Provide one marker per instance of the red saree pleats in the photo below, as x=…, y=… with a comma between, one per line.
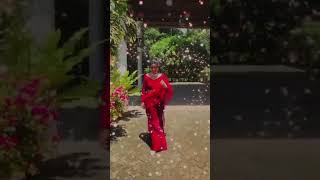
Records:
x=155, y=98
x=156, y=128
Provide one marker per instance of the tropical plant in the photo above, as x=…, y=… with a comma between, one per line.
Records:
x=25, y=59
x=119, y=101
x=121, y=25
x=36, y=81
x=152, y=35
x=121, y=87
x=125, y=80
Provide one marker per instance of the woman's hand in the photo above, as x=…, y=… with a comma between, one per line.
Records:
x=143, y=106
x=163, y=84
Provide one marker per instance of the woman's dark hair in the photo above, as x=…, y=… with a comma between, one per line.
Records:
x=155, y=63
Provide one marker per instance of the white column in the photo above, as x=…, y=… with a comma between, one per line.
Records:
x=140, y=51
x=40, y=18
x=122, y=57
x=96, y=34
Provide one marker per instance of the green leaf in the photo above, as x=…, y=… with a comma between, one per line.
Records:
x=70, y=46
x=52, y=41
x=134, y=92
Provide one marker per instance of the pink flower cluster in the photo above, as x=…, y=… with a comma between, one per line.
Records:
x=26, y=100
x=25, y=113
x=121, y=94
x=9, y=141
x=119, y=101
x=27, y=97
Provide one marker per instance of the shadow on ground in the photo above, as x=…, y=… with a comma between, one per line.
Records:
x=116, y=132
x=74, y=165
x=119, y=130
x=130, y=114
x=145, y=137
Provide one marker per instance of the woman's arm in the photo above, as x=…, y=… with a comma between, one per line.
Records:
x=166, y=82
x=169, y=89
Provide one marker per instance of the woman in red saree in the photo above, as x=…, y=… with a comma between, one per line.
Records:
x=156, y=94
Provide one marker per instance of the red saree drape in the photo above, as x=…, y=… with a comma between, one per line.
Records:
x=155, y=98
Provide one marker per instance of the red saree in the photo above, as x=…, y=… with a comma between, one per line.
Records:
x=155, y=98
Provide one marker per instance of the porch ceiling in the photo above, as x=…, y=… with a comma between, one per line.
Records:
x=182, y=13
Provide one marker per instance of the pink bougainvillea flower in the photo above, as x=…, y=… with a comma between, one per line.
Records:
x=20, y=100
x=42, y=113
x=112, y=104
x=124, y=97
x=27, y=93
x=31, y=89
x=9, y=141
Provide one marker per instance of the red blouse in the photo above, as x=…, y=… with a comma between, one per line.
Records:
x=154, y=93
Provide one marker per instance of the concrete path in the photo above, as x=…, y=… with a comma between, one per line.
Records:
x=188, y=154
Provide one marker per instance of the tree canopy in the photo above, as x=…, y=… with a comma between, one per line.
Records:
x=183, y=53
